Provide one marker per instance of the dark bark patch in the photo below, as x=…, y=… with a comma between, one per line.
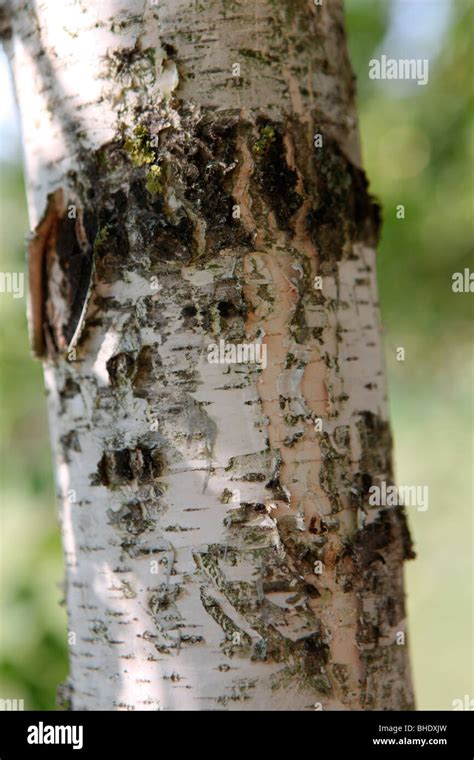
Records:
x=70, y=442
x=304, y=549
x=299, y=326
x=372, y=542
x=121, y=61
x=131, y=517
x=227, y=310
x=308, y=657
x=375, y=462
x=254, y=477
x=123, y=466
x=162, y=237
x=407, y=542
x=343, y=211
x=163, y=598
x=111, y=249
x=311, y=591
x=120, y=368
x=316, y=653
x=275, y=179
x=170, y=243
x=209, y=162
x=247, y=512
x=274, y=485
x=317, y=525
x=189, y=311
x=148, y=360
x=70, y=388
x=335, y=474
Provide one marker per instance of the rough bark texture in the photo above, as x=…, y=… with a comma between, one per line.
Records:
x=220, y=549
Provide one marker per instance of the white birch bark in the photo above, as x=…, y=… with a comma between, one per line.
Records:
x=199, y=501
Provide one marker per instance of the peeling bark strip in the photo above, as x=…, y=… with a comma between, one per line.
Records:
x=60, y=266
x=221, y=550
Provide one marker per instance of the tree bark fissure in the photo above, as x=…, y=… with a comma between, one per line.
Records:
x=221, y=551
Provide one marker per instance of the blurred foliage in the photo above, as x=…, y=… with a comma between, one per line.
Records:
x=33, y=650
x=418, y=151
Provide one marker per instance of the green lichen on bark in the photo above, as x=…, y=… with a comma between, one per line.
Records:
x=267, y=137
x=139, y=147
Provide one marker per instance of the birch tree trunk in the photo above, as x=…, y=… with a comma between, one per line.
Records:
x=203, y=296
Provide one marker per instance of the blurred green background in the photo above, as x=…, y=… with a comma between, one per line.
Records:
x=418, y=151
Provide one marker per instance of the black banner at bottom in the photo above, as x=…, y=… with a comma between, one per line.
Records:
x=376, y=734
